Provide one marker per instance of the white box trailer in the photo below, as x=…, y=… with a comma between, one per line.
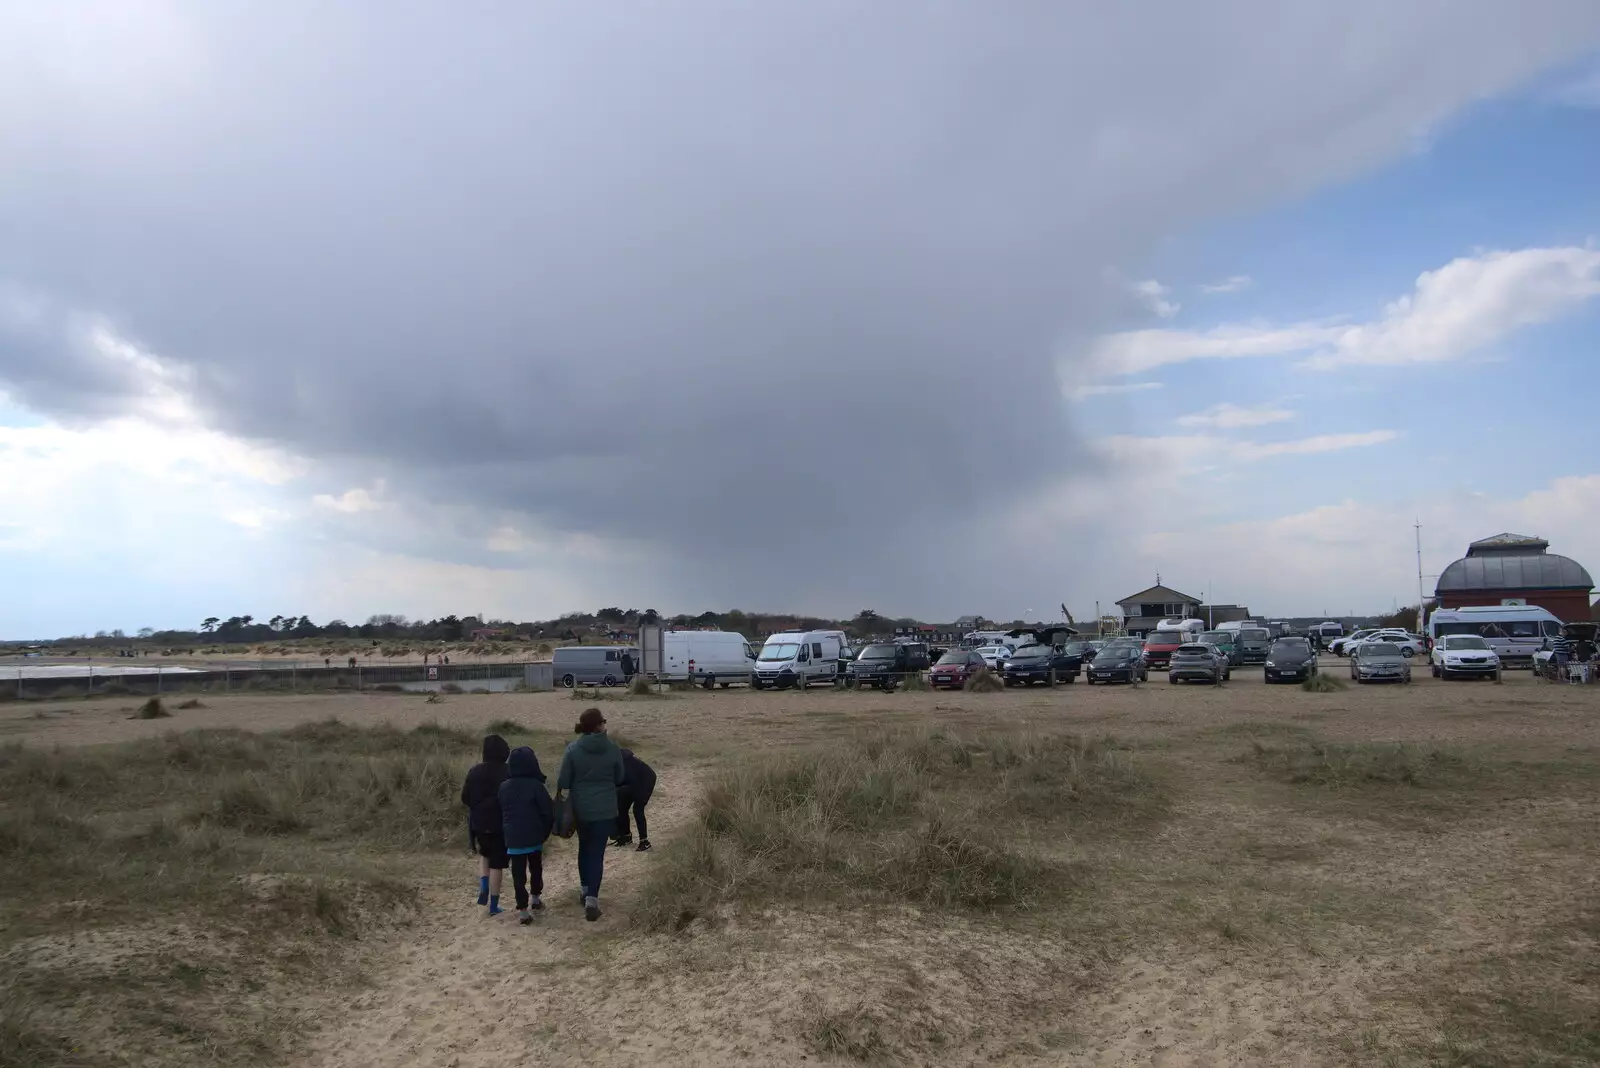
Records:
x=709, y=657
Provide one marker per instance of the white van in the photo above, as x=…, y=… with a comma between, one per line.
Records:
x=1514, y=632
x=798, y=658
x=593, y=665
x=718, y=657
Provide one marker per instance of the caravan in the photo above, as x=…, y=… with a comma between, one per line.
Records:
x=798, y=659
x=1514, y=632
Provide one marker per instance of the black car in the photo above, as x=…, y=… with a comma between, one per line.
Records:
x=1290, y=660
x=1080, y=648
x=1118, y=663
x=1048, y=664
x=884, y=665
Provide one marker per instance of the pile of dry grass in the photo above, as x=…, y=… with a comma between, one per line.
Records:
x=984, y=681
x=641, y=686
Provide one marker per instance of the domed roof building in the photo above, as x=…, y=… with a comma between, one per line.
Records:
x=1516, y=568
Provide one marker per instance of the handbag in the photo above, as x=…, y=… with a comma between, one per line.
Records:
x=566, y=817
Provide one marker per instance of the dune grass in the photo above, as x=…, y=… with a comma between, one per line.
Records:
x=227, y=842
x=917, y=817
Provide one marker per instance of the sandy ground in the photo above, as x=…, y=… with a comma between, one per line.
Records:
x=460, y=989
x=699, y=722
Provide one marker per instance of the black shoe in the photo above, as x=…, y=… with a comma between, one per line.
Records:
x=620, y=842
x=591, y=912
x=644, y=845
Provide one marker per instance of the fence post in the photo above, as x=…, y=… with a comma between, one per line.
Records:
x=158, y=678
x=294, y=677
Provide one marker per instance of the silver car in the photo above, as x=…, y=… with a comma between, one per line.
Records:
x=1379, y=662
x=1198, y=661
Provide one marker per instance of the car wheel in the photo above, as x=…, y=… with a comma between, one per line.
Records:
x=1407, y=652
x=1171, y=681
x=610, y=680
x=1436, y=671
x=568, y=681
x=1050, y=679
x=710, y=682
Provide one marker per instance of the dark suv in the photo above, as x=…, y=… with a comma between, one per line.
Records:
x=1254, y=644
x=1048, y=664
x=886, y=664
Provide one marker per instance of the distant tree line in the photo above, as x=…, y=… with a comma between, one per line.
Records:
x=248, y=629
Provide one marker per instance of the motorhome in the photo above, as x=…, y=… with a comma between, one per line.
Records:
x=1514, y=632
x=798, y=659
x=709, y=657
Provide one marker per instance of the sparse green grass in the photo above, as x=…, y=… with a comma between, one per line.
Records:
x=276, y=850
x=907, y=817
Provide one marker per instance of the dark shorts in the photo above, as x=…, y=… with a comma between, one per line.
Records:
x=491, y=847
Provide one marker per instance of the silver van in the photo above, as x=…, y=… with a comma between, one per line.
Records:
x=594, y=665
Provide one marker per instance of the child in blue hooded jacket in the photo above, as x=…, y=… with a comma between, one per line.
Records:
x=528, y=817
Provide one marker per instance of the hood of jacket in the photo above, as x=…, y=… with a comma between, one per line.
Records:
x=593, y=743
x=524, y=764
x=495, y=750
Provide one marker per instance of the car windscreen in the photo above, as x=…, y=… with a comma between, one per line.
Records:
x=1254, y=634
x=1078, y=648
x=1194, y=650
x=780, y=651
x=1381, y=651
x=1031, y=652
x=877, y=652
x=1465, y=641
x=1217, y=637
x=955, y=658
x=1165, y=637
x=1286, y=648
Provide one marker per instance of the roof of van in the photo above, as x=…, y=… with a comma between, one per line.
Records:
x=1493, y=610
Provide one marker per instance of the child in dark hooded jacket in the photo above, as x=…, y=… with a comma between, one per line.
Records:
x=481, y=794
x=639, y=782
x=527, y=817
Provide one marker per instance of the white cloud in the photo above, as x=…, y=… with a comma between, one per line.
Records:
x=256, y=518
x=1231, y=417
x=350, y=502
x=1084, y=392
x=1153, y=295
x=1232, y=284
x=1134, y=351
x=1204, y=451
x=1257, y=450
x=1455, y=311
x=1468, y=304
x=1582, y=91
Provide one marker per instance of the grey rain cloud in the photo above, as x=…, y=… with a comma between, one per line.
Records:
x=772, y=286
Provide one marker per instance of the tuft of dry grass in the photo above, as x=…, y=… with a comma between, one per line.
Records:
x=193, y=702
x=1322, y=682
x=152, y=709
x=984, y=681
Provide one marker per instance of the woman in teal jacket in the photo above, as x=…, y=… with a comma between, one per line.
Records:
x=591, y=771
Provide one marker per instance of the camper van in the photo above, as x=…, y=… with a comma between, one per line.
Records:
x=718, y=657
x=798, y=658
x=1514, y=632
x=593, y=665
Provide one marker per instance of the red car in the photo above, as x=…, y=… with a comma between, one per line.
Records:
x=1159, y=646
x=955, y=668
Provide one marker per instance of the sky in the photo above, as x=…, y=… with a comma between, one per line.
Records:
x=934, y=309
